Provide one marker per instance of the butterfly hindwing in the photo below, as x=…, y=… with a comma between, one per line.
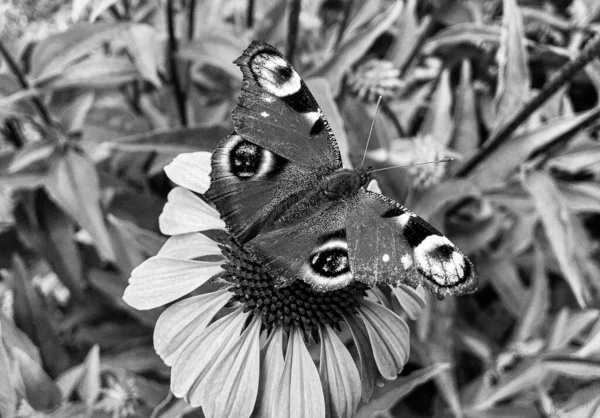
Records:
x=277, y=111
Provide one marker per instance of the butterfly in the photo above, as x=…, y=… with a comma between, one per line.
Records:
x=279, y=185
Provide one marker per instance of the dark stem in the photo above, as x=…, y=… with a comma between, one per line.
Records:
x=12, y=64
x=115, y=13
x=344, y=23
x=292, y=38
x=173, y=47
x=422, y=35
x=192, y=20
x=389, y=112
x=560, y=78
x=250, y=14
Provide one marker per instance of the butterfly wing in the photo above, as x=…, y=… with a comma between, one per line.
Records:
x=312, y=248
x=282, y=146
x=389, y=244
x=277, y=111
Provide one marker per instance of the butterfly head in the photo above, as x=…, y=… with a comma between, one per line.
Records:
x=345, y=182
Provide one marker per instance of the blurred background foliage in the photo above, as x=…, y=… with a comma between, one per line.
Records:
x=97, y=96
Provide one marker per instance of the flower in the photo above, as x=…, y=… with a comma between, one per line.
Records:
x=240, y=346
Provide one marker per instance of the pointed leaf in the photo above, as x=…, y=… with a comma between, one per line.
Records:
x=513, y=77
x=90, y=384
x=74, y=184
x=40, y=390
x=555, y=217
x=465, y=138
x=142, y=42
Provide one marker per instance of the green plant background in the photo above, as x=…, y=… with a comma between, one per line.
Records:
x=97, y=96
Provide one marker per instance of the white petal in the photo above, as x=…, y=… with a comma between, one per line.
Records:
x=195, y=360
x=271, y=369
x=191, y=170
x=389, y=335
x=368, y=368
x=339, y=376
x=158, y=280
x=300, y=393
x=184, y=321
x=189, y=246
x=411, y=300
x=186, y=212
x=230, y=388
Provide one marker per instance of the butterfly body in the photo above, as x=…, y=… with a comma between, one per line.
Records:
x=279, y=184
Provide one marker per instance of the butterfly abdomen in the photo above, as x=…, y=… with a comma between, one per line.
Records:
x=344, y=182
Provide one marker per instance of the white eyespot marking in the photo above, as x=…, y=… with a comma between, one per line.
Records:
x=439, y=259
x=244, y=159
x=264, y=114
x=403, y=219
x=328, y=267
x=385, y=258
x=406, y=261
x=275, y=75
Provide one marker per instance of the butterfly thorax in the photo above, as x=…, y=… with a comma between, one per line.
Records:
x=344, y=182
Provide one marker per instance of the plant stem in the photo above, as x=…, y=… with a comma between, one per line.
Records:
x=250, y=14
x=173, y=47
x=560, y=78
x=12, y=64
x=192, y=20
x=293, y=20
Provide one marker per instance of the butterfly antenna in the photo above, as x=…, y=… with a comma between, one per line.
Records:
x=445, y=160
x=371, y=130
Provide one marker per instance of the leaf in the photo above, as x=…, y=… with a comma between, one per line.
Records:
x=504, y=277
x=407, y=35
x=574, y=367
x=465, y=138
x=8, y=393
x=90, y=384
x=530, y=322
x=442, y=196
x=47, y=229
x=74, y=184
x=96, y=72
x=351, y=51
x=582, y=196
x=439, y=348
x=40, y=390
x=72, y=112
x=438, y=121
x=389, y=395
x=513, y=76
x=142, y=44
x=517, y=150
x=218, y=49
x=558, y=226
x=33, y=156
x=57, y=52
x=521, y=379
x=32, y=317
x=323, y=95
x=196, y=138
x=14, y=337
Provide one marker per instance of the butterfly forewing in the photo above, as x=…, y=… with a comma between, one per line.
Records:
x=277, y=111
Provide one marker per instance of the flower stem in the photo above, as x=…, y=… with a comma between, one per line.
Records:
x=560, y=78
x=173, y=47
x=250, y=14
x=293, y=20
x=12, y=64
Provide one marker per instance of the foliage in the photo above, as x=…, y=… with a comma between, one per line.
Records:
x=93, y=108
